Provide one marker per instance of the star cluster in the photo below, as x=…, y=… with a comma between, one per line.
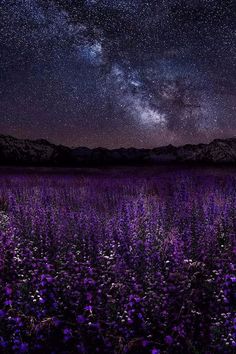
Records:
x=109, y=73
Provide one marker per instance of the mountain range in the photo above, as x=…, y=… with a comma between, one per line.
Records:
x=40, y=152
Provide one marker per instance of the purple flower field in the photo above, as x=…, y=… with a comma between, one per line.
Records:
x=118, y=262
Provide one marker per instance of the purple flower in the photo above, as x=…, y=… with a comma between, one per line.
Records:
x=169, y=340
x=67, y=331
x=80, y=319
x=88, y=308
x=23, y=347
x=2, y=313
x=155, y=351
x=8, y=290
x=130, y=321
x=8, y=302
x=67, y=334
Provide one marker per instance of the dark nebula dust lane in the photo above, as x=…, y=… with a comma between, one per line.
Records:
x=118, y=73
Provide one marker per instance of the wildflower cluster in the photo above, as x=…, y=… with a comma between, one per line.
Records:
x=134, y=263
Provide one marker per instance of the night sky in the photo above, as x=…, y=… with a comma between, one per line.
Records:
x=118, y=73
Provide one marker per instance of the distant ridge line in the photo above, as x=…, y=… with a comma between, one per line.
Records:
x=40, y=152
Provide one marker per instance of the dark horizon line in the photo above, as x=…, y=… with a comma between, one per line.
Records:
x=46, y=141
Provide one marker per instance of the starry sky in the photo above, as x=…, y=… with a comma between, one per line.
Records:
x=140, y=73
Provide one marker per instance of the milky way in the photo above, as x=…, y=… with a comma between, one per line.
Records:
x=118, y=73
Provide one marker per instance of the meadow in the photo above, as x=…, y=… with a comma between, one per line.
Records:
x=118, y=261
